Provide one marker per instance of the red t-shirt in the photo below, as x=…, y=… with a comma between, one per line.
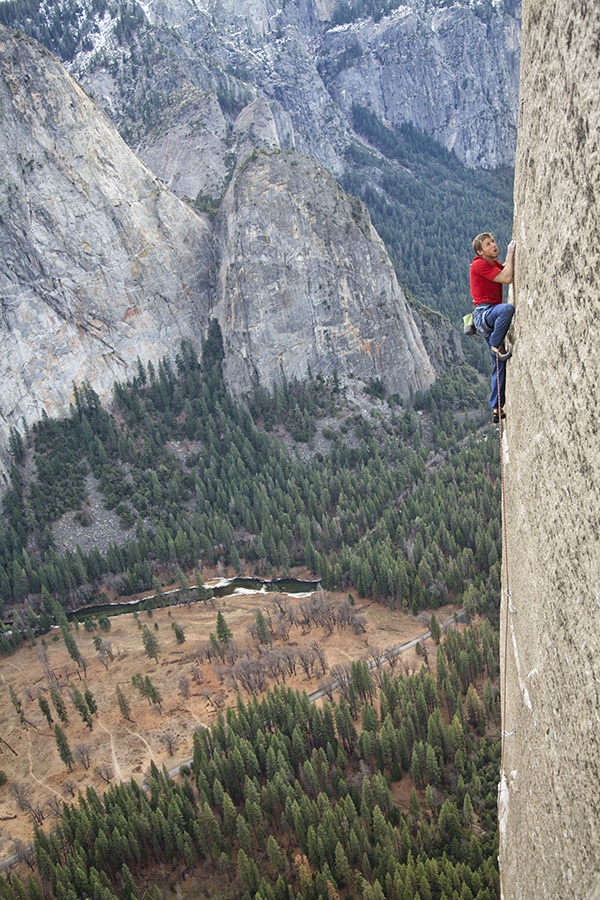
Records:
x=483, y=287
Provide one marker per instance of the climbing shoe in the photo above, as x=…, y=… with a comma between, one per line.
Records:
x=497, y=416
x=501, y=352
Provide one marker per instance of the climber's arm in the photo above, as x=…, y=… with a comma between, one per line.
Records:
x=506, y=275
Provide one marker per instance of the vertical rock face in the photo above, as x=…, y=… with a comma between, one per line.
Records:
x=98, y=262
x=329, y=299
x=550, y=813
x=433, y=69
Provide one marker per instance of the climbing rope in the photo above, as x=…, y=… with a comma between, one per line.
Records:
x=508, y=605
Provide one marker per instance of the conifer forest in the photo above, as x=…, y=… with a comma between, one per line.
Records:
x=284, y=798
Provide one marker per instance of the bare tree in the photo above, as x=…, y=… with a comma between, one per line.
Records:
x=280, y=605
x=69, y=786
x=377, y=657
x=392, y=657
x=305, y=616
x=344, y=614
x=55, y=806
x=231, y=653
x=82, y=754
x=329, y=618
x=107, y=648
x=169, y=740
x=197, y=675
x=307, y=659
x=24, y=852
x=281, y=627
x=251, y=675
x=274, y=661
x=42, y=653
x=184, y=687
x=321, y=656
x=22, y=793
x=341, y=675
x=82, y=664
x=328, y=685
x=279, y=618
x=215, y=698
x=105, y=772
x=359, y=624
x=219, y=672
x=290, y=658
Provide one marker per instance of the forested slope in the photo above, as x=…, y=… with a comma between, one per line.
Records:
x=400, y=503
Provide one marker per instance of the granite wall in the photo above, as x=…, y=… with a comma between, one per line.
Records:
x=550, y=805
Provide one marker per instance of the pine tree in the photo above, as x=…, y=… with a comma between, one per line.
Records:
x=151, y=645
x=18, y=704
x=179, y=635
x=275, y=855
x=248, y=872
x=59, y=704
x=62, y=745
x=224, y=634
x=81, y=706
x=342, y=867
x=262, y=629
x=15, y=446
x=70, y=643
x=45, y=708
x=124, y=707
x=91, y=703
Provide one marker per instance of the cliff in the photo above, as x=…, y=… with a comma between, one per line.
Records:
x=550, y=810
x=330, y=300
x=177, y=77
x=431, y=67
x=100, y=263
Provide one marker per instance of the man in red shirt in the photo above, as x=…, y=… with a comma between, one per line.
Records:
x=491, y=316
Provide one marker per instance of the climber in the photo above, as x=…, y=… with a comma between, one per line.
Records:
x=491, y=316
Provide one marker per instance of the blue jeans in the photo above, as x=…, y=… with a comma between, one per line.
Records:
x=492, y=323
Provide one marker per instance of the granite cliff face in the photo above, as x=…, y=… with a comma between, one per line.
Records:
x=432, y=69
x=100, y=263
x=550, y=807
x=329, y=296
x=174, y=76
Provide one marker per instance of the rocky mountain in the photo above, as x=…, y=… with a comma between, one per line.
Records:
x=329, y=298
x=181, y=79
x=100, y=263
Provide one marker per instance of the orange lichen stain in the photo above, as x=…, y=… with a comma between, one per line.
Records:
x=367, y=347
